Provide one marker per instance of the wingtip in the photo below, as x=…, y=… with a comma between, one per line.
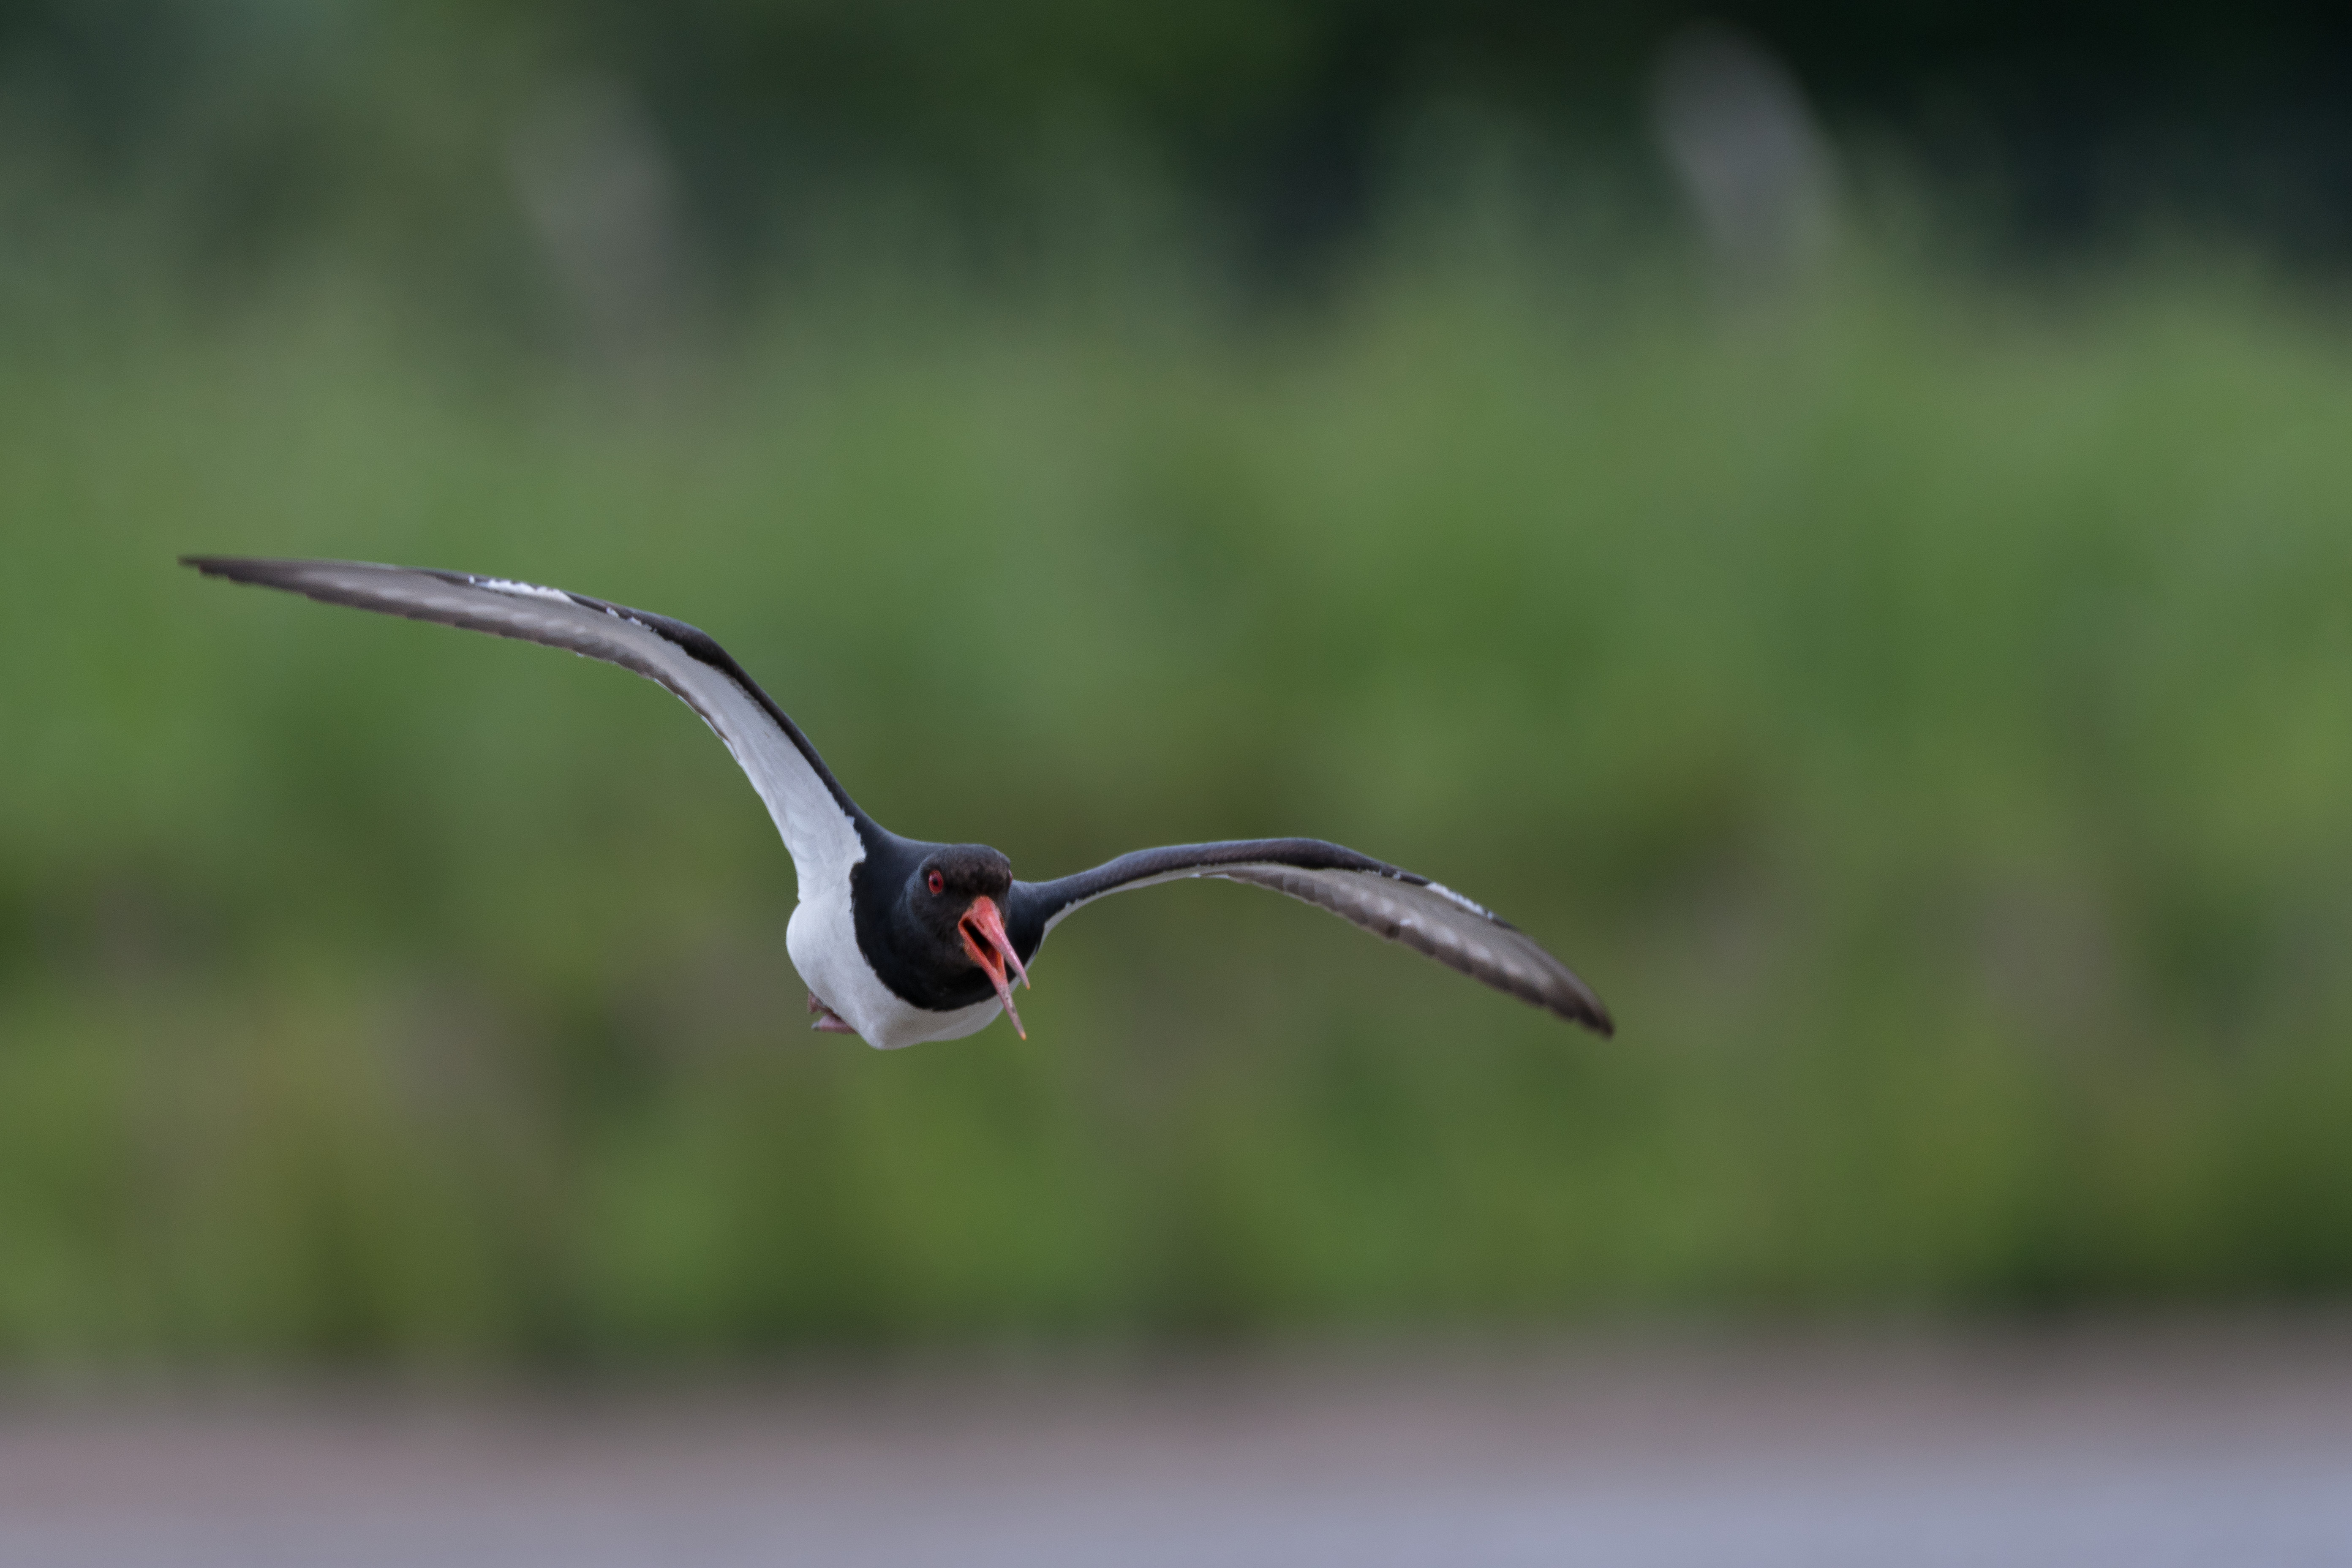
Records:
x=218, y=565
x=1589, y=1011
x=260, y=571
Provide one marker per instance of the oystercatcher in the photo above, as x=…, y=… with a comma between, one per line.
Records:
x=897, y=940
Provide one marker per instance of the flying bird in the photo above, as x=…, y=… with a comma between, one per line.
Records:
x=901, y=941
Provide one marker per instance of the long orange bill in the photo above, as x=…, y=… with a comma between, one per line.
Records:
x=982, y=929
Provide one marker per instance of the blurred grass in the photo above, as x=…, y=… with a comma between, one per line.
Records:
x=1923, y=708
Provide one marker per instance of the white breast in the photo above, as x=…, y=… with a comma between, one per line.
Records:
x=822, y=941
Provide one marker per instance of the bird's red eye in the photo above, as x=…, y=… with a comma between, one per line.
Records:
x=938, y=883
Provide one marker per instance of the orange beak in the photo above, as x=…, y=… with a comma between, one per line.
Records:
x=982, y=929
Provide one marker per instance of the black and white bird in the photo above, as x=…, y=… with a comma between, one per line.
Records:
x=901, y=940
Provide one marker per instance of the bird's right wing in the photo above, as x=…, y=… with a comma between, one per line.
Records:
x=1383, y=898
x=816, y=815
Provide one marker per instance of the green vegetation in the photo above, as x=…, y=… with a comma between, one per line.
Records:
x=1923, y=710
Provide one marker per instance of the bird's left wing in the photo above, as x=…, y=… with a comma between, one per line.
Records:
x=1383, y=898
x=816, y=815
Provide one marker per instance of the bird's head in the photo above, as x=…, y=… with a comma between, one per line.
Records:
x=957, y=896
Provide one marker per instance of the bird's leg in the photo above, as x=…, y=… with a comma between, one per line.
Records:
x=827, y=1022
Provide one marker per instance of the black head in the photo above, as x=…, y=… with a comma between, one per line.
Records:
x=941, y=889
x=950, y=945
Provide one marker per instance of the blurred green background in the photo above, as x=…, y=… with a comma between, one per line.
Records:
x=1859, y=563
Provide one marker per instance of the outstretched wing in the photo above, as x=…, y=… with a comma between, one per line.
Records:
x=1380, y=898
x=816, y=815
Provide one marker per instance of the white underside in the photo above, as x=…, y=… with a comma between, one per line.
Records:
x=822, y=941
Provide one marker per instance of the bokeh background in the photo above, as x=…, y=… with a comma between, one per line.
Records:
x=1837, y=518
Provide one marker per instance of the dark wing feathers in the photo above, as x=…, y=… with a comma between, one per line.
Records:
x=1383, y=898
x=821, y=824
x=816, y=815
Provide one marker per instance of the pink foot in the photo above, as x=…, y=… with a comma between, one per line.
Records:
x=827, y=1022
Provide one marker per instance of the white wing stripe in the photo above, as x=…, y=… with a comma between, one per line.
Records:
x=814, y=819
x=1434, y=919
